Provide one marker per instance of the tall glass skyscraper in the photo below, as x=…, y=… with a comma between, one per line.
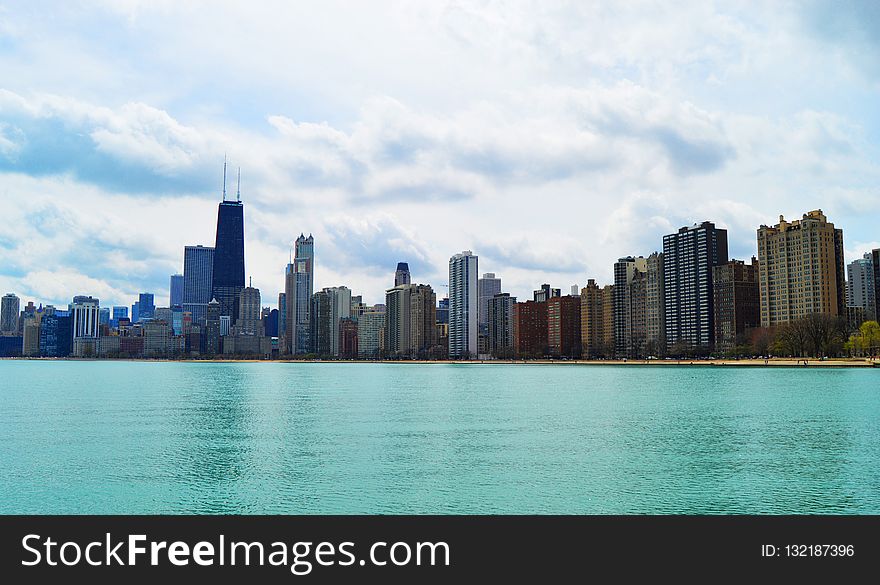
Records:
x=228, y=274
x=146, y=306
x=176, y=290
x=198, y=270
x=299, y=284
x=463, y=305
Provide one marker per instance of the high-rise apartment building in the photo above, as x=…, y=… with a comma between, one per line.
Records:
x=530, y=329
x=801, y=269
x=463, y=305
x=688, y=258
x=564, y=326
x=655, y=317
x=593, y=321
x=410, y=320
x=198, y=271
x=299, y=284
x=282, y=318
x=500, y=324
x=629, y=306
x=9, y=308
x=370, y=327
x=861, y=287
x=487, y=287
x=737, y=302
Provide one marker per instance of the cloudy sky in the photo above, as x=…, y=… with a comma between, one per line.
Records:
x=548, y=137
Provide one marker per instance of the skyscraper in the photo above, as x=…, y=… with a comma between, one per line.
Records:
x=861, y=286
x=211, y=342
x=9, y=308
x=500, y=324
x=298, y=294
x=655, y=316
x=688, y=258
x=488, y=287
x=85, y=326
x=401, y=275
x=249, y=313
x=176, y=290
x=629, y=304
x=801, y=269
x=545, y=293
x=340, y=308
x=228, y=273
x=463, y=305
x=397, y=325
x=198, y=271
x=370, y=326
x=146, y=306
x=593, y=320
x=282, y=315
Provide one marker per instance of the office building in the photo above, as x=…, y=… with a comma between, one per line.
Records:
x=545, y=293
x=249, y=313
x=688, y=258
x=227, y=279
x=298, y=295
x=443, y=311
x=9, y=308
x=801, y=269
x=146, y=306
x=402, y=275
x=176, y=290
x=85, y=326
x=56, y=334
x=463, y=305
x=198, y=276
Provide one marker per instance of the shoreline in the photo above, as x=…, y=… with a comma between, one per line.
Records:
x=751, y=363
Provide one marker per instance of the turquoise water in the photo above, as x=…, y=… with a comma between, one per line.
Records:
x=142, y=437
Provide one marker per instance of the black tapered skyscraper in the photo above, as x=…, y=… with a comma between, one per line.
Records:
x=228, y=274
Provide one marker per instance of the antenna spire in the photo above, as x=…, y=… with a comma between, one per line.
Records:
x=238, y=188
x=224, y=176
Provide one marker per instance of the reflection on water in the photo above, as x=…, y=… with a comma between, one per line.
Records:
x=136, y=437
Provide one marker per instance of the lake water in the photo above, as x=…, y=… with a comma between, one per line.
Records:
x=264, y=438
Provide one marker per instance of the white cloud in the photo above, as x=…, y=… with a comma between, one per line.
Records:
x=555, y=136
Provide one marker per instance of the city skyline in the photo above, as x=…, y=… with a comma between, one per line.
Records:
x=501, y=130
